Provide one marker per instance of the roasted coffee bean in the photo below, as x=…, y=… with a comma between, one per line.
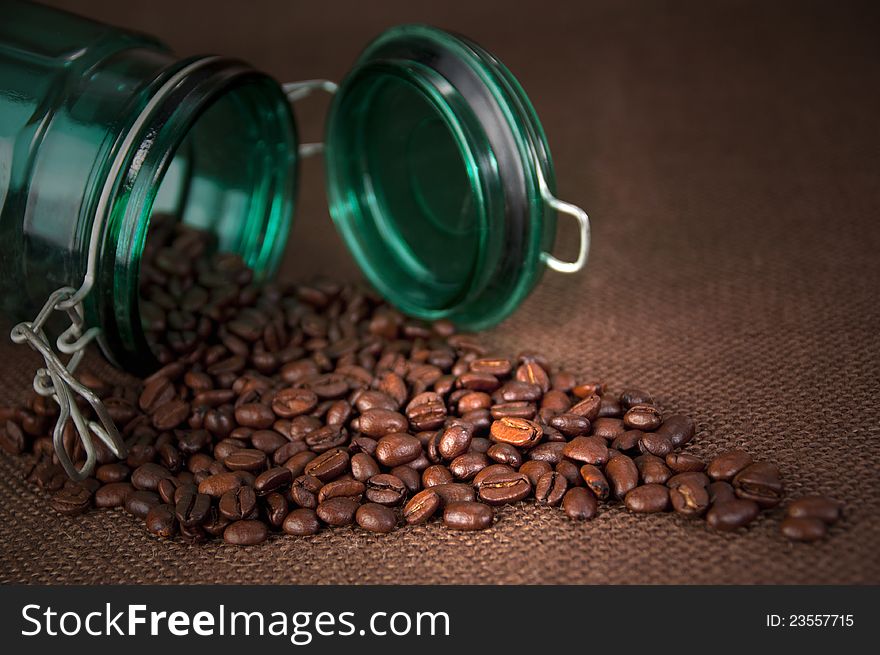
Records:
x=682, y=462
x=679, y=428
x=623, y=475
x=643, y=417
x=397, y=448
x=301, y=522
x=504, y=453
x=426, y=411
x=385, y=489
x=552, y=453
x=246, y=459
x=467, y=515
x=411, y=478
x=518, y=432
x=72, y=499
x=580, y=504
x=138, y=502
x=632, y=397
x=610, y=408
x=157, y=392
x=455, y=439
x=275, y=507
x=147, y=476
x=376, y=518
x=421, y=507
x=304, y=491
x=297, y=463
x=170, y=414
x=465, y=467
x=113, y=494
x=161, y=521
x=588, y=389
x=815, y=507
x=588, y=450
x=689, y=499
x=504, y=487
x=379, y=422
x=551, y=488
x=802, y=528
x=167, y=489
x=454, y=492
x=192, y=508
x=608, y=428
x=326, y=438
x=759, y=482
x=732, y=514
x=436, y=474
x=652, y=470
x=570, y=471
x=246, y=533
x=343, y=487
x=218, y=484
x=697, y=478
x=254, y=415
x=532, y=372
x=337, y=511
x=269, y=441
x=234, y=505
x=114, y=472
x=726, y=465
x=533, y=470
x=291, y=402
x=595, y=480
x=648, y=498
x=587, y=407
x=363, y=467
x=571, y=425
x=328, y=465
x=655, y=443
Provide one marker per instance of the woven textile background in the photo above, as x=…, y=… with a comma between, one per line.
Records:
x=729, y=155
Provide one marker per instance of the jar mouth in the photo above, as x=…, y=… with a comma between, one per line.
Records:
x=218, y=151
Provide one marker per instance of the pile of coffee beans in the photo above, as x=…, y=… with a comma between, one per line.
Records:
x=297, y=409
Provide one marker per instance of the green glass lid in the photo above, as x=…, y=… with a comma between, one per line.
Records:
x=440, y=180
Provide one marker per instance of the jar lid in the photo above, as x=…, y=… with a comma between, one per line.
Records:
x=439, y=177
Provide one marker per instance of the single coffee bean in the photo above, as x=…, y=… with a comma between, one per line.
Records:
x=385, y=489
x=455, y=439
x=815, y=507
x=304, y=491
x=301, y=522
x=291, y=402
x=171, y=414
x=147, y=476
x=802, y=528
x=376, y=518
x=519, y=391
x=610, y=408
x=113, y=494
x=363, y=467
x=342, y=487
x=72, y=499
x=518, y=432
x=571, y=425
x=533, y=470
x=297, y=463
x=632, y=397
x=628, y=442
x=421, y=507
x=379, y=422
x=551, y=488
x=658, y=444
x=683, y=463
x=254, y=415
x=504, y=453
x=337, y=511
x=580, y=504
x=328, y=465
x=588, y=450
x=246, y=533
x=732, y=514
x=160, y=521
x=436, y=474
x=275, y=507
x=608, y=428
x=138, y=503
x=652, y=470
x=552, y=453
x=157, y=392
x=689, y=499
x=426, y=411
x=759, y=482
x=648, y=498
x=533, y=373
x=679, y=428
x=246, y=459
x=411, y=478
x=275, y=479
x=465, y=467
x=571, y=472
x=397, y=448
x=467, y=516
x=587, y=408
x=726, y=465
x=504, y=487
x=595, y=480
x=235, y=504
x=623, y=475
x=192, y=508
x=113, y=472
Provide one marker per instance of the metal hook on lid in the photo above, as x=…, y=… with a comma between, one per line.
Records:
x=583, y=224
x=297, y=91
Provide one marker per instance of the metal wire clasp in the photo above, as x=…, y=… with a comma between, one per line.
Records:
x=583, y=225
x=297, y=91
x=56, y=380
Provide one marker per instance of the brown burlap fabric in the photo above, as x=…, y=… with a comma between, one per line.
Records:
x=729, y=156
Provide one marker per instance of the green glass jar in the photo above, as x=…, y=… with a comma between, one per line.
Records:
x=439, y=175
